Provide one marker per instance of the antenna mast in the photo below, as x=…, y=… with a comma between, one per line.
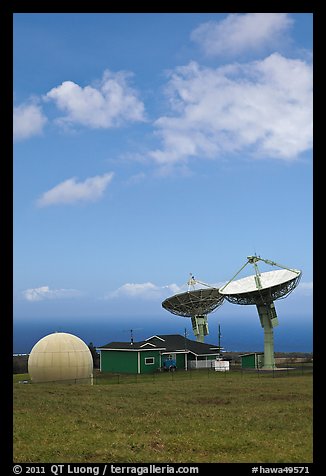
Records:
x=262, y=289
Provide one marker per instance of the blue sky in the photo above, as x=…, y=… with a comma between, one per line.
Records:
x=149, y=146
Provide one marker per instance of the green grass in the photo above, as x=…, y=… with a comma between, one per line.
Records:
x=181, y=418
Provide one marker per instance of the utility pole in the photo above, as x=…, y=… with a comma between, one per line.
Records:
x=219, y=340
x=186, y=356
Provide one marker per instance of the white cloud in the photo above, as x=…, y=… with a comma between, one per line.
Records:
x=263, y=108
x=44, y=293
x=147, y=291
x=306, y=288
x=137, y=178
x=238, y=33
x=28, y=120
x=107, y=104
x=70, y=191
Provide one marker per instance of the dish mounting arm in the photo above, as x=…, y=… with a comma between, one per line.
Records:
x=272, y=263
x=192, y=281
x=236, y=274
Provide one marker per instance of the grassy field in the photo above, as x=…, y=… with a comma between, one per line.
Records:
x=180, y=418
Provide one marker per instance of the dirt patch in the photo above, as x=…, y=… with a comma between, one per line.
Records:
x=211, y=401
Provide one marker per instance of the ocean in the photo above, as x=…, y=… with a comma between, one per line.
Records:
x=291, y=335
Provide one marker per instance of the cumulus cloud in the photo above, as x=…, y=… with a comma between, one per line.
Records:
x=44, y=293
x=70, y=191
x=263, y=108
x=147, y=291
x=240, y=33
x=28, y=120
x=109, y=103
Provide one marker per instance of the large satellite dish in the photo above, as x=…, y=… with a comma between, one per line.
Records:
x=273, y=285
x=262, y=289
x=196, y=304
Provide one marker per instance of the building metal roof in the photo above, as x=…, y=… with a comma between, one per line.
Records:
x=142, y=345
x=166, y=343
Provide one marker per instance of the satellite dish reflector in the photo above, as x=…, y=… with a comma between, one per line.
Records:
x=273, y=285
x=195, y=304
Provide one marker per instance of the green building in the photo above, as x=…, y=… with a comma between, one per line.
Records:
x=254, y=360
x=148, y=356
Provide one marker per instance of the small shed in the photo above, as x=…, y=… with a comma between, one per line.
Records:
x=254, y=360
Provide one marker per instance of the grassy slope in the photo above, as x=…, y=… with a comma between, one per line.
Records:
x=223, y=418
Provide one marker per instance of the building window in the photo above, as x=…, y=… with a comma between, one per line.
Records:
x=149, y=360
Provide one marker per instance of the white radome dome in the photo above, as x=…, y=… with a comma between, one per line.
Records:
x=60, y=357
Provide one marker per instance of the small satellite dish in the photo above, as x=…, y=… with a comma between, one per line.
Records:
x=192, y=303
x=196, y=304
x=262, y=289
